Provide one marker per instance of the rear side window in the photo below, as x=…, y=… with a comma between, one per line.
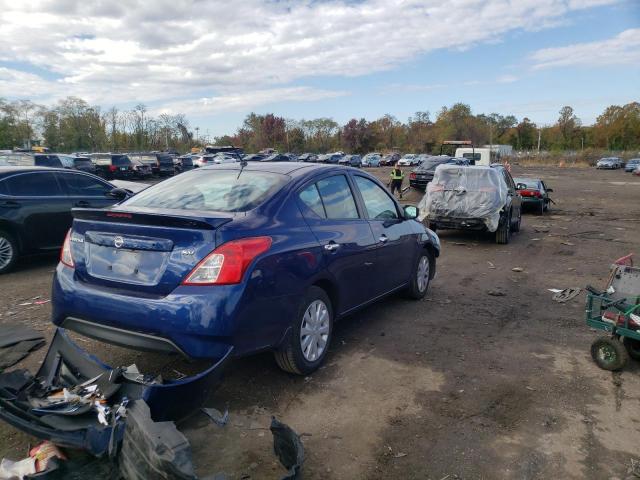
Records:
x=310, y=197
x=37, y=184
x=84, y=186
x=337, y=198
x=214, y=190
x=378, y=204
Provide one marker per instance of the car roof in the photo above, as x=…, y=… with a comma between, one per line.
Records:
x=9, y=169
x=293, y=169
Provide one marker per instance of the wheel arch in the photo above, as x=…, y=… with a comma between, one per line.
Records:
x=14, y=231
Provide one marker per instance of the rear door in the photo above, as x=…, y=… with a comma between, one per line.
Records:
x=329, y=207
x=42, y=207
x=395, y=241
x=516, y=199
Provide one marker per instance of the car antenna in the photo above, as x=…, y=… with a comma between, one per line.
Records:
x=243, y=163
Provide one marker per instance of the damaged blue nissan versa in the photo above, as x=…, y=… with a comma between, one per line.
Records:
x=258, y=256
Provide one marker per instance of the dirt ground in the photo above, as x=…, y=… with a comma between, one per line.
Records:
x=462, y=384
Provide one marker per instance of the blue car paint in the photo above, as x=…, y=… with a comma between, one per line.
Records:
x=204, y=321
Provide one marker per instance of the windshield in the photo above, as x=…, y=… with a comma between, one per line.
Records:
x=214, y=190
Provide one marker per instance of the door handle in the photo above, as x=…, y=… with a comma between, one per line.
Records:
x=383, y=238
x=332, y=247
x=10, y=204
x=83, y=203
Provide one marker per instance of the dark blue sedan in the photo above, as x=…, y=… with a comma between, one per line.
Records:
x=257, y=256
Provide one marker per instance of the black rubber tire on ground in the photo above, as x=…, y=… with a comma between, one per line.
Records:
x=503, y=233
x=633, y=347
x=289, y=356
x=13, y=247
x=547, y=206
x=413, y=290
x=609, y=353
x=540, y=209
x=515, y=227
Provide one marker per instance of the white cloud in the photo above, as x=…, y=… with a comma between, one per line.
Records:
x=162, y=51
x=623, y=49
x=247, y=99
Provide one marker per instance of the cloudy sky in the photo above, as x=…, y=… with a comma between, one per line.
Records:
x=216, y=61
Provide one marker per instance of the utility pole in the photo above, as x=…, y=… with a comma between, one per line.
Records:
x=539, y=135
x=197, y=130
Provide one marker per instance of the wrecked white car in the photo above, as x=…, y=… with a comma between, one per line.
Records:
x=473, y=198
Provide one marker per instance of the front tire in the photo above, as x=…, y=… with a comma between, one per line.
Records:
x=8, y=252
x=421, y=276
x=308, y=342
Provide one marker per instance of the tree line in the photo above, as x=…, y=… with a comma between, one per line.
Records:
x=74, y=125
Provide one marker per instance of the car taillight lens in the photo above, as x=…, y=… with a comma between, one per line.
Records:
x=65, y=254
x=412, y=176
x=227, y=263
x=112, y=168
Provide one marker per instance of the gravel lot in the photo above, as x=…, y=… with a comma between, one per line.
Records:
x=462, y=384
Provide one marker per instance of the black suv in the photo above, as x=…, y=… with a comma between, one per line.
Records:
x=473, y=198
x=423, y=173
x=161, y=164
x=119, y=166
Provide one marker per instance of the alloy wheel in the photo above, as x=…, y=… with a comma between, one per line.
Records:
x=423, y=274
x=6, y=252
x=314, y=332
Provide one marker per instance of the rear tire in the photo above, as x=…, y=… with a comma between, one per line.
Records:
x=609, y=354
x=516, y=227
x=8, y=252
x=503, y=234
x=309, y=338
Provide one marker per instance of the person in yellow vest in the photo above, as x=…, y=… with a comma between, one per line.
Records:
x=397, y=176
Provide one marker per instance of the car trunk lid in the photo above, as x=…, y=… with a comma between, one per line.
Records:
x=139, y=251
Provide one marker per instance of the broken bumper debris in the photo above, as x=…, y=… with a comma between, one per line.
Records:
x=77, y=401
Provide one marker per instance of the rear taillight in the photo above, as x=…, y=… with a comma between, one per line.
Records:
x=228, y=263
x=412, y=176
x=112, y=168
x=65, y=254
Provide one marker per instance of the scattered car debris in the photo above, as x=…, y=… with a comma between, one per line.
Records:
x=565, y=295
x=491, y=265
x=16, y=342
x=219, y=418
x=288, y=448
x=517, y=269
x=42, y=458
x=496, y=293
x=568, y=244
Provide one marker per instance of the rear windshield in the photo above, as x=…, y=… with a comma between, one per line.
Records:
x=165, y=160
x=81, y=161
x=215, y=190
x=432, y=162
x=146, y=159
x=527, y=182
x=186, y=160
x=121, y=160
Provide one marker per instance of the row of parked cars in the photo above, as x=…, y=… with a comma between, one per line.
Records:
x=614, y=163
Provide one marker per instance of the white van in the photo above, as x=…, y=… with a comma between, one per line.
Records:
x=476, y=156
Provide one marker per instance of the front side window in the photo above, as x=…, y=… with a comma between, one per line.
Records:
x=84, y=186
x=378, y=204
x=37, y=184
x=214, y=190
x=337, y=198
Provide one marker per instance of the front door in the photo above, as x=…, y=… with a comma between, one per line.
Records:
x=345, y=237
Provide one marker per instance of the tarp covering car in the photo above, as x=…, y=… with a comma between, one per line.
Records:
x=460, y=192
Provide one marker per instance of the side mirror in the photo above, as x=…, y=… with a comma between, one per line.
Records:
x=521, y=186
x=118, y=193
x=549, y=189
x=411, y=212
